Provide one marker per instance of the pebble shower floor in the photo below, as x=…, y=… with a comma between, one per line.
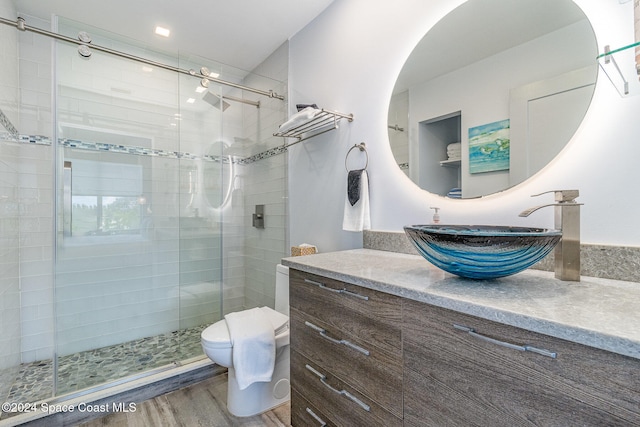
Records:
x=34, y=381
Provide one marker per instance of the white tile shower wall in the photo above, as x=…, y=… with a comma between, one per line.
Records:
x=163, y=280
x=264, y=184
x=9, y=71
x=9, y=201
x=35, y=81
x=36, y=251
x=251, y=254
x=34, y=194
x=9, y=257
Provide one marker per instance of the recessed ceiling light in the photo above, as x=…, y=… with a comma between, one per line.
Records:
x=200, y=89
x=191, y=100
x=214, y=75
x=147, y=69
x=164, y=32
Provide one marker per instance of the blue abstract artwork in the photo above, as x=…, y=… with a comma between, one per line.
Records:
x=489, y=147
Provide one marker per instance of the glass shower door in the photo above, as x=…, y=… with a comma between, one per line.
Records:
x=137, y=269
x=202, y=176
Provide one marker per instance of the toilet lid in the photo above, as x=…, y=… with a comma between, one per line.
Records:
x=279, y=321
x=217, y=335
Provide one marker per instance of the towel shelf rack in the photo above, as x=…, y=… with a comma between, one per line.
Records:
x=324, y=121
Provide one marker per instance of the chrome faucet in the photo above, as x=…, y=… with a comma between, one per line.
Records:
x=567, y=220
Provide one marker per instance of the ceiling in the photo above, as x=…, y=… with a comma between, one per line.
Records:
x=240, y=33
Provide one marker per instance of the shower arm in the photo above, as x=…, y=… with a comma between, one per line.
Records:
x=21, y=25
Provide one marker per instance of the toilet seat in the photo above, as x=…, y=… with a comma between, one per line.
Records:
x=217, y=335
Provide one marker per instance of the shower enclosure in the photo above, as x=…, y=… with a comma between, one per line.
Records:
x=126, y=194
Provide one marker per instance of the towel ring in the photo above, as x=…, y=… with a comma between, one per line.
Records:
x=362, y=147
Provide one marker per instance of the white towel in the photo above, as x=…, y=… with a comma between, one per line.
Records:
x=299, y=118
x=357, y=217
x=254, y=346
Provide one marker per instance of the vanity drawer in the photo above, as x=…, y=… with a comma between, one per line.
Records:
x=466, y=374
x=369, y=369
x=303, y=413
x=372, y=316
x=332, y=396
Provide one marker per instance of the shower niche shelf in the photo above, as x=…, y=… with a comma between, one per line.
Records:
x=324, y=121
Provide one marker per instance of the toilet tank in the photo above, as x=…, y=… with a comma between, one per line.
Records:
x=282, y=289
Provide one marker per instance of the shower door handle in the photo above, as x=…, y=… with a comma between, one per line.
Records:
x=66, y=198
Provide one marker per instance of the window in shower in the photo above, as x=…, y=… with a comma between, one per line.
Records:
x=103, y=198
x=105, y=215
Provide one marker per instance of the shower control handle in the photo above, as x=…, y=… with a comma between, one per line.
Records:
x=258, y=217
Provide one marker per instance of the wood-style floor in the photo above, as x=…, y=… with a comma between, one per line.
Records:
x=202, y=404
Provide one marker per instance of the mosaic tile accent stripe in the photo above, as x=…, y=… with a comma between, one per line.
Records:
x=25, y=139
x=140, y=151
x=264, y=155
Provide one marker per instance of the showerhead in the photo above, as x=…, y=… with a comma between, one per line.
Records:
x=214, y=101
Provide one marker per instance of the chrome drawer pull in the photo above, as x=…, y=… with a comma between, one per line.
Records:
x=345, y=393
x=532, y=349
x=323, y=334
x=337, y=291
x=317, y=418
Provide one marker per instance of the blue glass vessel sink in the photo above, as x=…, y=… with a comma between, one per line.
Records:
x=482, y=251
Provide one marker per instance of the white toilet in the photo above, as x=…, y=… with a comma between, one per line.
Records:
x=260, y=396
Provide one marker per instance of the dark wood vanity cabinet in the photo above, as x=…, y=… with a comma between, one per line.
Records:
x=360, y=357
x=461, y=371
x=346, y=354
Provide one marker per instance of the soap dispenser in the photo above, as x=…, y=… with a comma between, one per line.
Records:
x=436, y=216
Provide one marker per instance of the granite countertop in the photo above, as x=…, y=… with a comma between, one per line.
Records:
x=600, y=313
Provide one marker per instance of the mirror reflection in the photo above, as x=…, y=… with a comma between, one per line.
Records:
x=491, y=94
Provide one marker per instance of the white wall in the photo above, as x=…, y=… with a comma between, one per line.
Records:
x=348, y=59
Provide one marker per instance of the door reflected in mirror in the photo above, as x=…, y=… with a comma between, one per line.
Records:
x=528, y=66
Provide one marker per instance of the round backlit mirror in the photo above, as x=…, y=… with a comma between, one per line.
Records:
x=491, y=94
